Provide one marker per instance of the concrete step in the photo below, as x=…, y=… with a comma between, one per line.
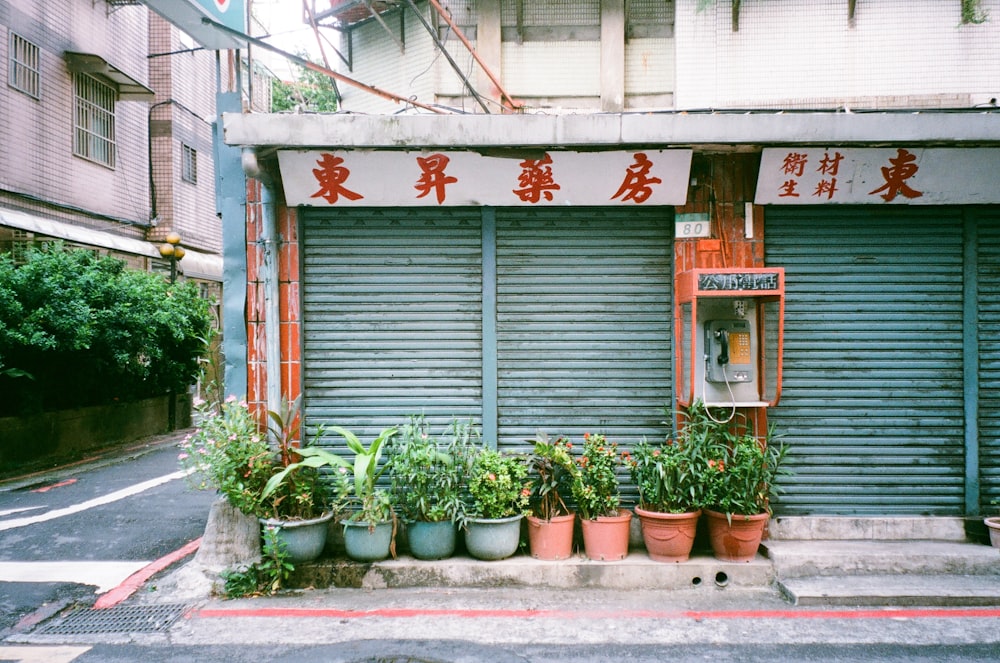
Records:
x=935, y=590
x=817, y=558
x=637, y=571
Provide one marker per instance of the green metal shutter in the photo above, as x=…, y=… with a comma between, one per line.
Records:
x=988, y=308
x=872, y=396
x=392, y=310
x=583, y=323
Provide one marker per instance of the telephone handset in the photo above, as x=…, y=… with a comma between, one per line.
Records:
x=728, y=351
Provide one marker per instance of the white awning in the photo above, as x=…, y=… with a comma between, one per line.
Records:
x=194, y=264
x=129, y=89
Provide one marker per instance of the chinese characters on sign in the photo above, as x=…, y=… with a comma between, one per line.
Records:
x=731, y=281
x=895, y=175
x=651, y=177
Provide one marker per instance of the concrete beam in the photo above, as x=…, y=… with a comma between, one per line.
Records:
x=612, y=130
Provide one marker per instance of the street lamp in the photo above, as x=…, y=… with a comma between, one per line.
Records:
x=172, y=251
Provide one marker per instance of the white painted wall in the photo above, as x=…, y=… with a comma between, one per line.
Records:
x=804, y=53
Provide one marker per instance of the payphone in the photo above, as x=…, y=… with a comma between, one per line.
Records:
x=729, y=336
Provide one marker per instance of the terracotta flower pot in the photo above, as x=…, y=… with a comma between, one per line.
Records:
x=606, y=538
x=551, y=539
x=737, y=541
x=668, y=536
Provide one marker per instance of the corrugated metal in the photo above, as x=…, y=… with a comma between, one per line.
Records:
x=392, y=315
x=989, y=359
x=872, y=396
x=583, y=323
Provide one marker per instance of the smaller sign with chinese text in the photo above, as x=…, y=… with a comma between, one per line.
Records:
x=878, y=176
x=382, y=178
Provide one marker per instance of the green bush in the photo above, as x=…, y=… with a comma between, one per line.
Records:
x=78, y=329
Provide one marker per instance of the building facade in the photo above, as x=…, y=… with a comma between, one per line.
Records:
x=524, y=268
x=106, y=137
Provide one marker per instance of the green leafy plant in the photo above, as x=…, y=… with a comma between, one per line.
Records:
x=90, y=331
x=267, y=576
x=428, y=473
x=552, y=469
x=671, y=476
x=372, y=503
x=596, y=488
x=742, y=470
x=228, y=453
x=498, y=484
x=295, y=490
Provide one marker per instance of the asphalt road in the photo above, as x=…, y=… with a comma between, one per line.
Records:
x=70, y=534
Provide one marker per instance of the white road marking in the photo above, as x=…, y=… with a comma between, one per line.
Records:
x=42, y=654
x=97, y=501
x=8, y=512
x=104, y=575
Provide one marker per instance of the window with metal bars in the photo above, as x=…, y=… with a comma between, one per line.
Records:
x=24, y=66
x=94, y=120
x=189, y=164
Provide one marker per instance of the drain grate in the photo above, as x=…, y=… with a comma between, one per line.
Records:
x=119, y=619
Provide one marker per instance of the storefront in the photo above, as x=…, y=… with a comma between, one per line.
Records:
x=449, y=279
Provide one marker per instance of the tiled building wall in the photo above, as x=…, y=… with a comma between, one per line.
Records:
x=184, y=81
x=290, y=318
x=36, y=135
x=810, y=54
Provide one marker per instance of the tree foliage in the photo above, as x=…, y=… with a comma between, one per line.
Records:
x=78, y=329
x=311, y=91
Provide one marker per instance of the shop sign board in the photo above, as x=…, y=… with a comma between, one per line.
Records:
x=878, y=176
x=346, y=178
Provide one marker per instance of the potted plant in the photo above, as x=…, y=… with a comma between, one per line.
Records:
x=993, y=525
x=550, y=523
x=498, y=497
x=278, y=483
x=739, y=486
x=670, y=479
x=369, y=533
x=426, y=484
x=596, y=491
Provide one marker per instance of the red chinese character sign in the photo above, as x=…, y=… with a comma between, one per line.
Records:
x=878, y=176
x=538, y=178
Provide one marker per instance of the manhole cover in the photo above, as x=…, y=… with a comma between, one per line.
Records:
x=119, y=619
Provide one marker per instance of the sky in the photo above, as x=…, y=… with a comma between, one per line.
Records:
x=284, y=20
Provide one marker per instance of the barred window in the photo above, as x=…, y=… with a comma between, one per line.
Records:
x=94, y=120
x=24, y=66
x=189, y=164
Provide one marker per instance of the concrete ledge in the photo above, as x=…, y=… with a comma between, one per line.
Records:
x=636, y=571
x=893, y=590
x=799, y=559
x=880, y=528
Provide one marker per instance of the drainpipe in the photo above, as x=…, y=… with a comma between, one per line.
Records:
x=269, y=272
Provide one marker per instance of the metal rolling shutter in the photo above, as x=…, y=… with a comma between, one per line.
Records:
x=872, y=399
x=583, y=323
x=989, y=359
x=392, y=309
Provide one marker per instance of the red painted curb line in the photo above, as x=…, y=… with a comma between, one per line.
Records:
x=131, y=584
x=400, y=613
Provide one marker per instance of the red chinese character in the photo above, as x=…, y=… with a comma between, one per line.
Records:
x=830, y=165
x=794, y=164
x=826, y=187
x=433, y=176
x=903, y=168
x=635, y=186
x=331, y=177
x=788, y=189
x=536, y=180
